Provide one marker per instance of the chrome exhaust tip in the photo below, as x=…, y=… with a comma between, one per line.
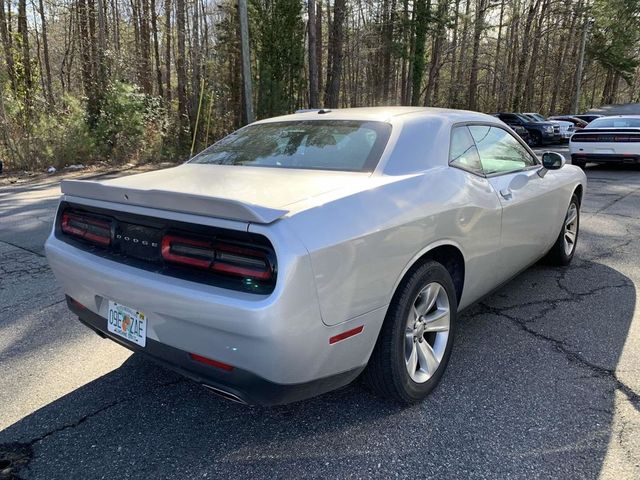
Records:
x=224, y=394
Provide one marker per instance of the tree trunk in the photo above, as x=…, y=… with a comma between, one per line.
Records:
x=454, y=57
x=389, y=27
x=23, y=33
x=406, y=32
x=422, y=9
x=6, y=44
x=156, y=47
x=336, y=40
x=88, y=74
x=167, y=48
x=195, y=63
x=481, y=7
x=313, y=52
x=463, y=57
x=560, y=64
x=145, y=49
x=524, y=55
x=496, y=63
x=319, y=49
x=181, y=69
x=533, y=64
x=45, y=51
x=436, y=53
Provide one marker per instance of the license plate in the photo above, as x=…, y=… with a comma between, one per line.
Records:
x=605, y=150
x=128, y=323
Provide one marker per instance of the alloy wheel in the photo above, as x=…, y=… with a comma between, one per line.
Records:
x=570, y=229
x=427, y=332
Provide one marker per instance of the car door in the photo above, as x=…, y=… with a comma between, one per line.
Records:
x=526, y=198
x=479, y=219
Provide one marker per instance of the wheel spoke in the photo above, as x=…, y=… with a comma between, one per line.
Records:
x=571, y=218
x=570, y=235
x=427, y=358
x=430, y=294
x=412, y=361
x=438, y=321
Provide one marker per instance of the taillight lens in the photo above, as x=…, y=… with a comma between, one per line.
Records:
x=86, y=227
x=217, y=256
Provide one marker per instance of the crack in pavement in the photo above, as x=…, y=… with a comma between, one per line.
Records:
x=613, y=202
x=23, y=248
x=116, y=402
x=24, y=453
x=562, y=347
x=10, y=308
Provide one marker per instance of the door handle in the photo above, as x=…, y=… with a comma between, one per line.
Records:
x=506, y=193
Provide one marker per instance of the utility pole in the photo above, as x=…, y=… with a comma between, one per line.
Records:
x=246, y=61
x=578, y=80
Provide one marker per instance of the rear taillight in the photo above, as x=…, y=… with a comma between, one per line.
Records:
x=217, y=256
x=86, y=227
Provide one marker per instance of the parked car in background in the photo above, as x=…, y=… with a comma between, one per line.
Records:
x=577, y=122
x=607, y=140
x=542, y=133
x=566, y=128
x=300, y=251
x=588, y=117
x=523, y=133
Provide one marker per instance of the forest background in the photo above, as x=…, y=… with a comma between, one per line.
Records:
x=121, y=81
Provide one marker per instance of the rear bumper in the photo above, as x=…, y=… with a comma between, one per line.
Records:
x=605, y=158
x=279, y=338
x=237, y=385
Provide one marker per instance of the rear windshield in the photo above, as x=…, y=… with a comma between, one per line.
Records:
x=615, y=123
x=317, y=144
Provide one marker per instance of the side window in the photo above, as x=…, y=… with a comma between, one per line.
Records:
x=499, y=151
x=462, y=152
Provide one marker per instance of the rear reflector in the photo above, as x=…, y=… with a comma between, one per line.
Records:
x=347, y=334
x=220, y=257
x=76, y=303
x=92, y=229
x=210, y=362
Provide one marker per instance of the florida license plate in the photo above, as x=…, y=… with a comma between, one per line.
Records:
x=128, y=323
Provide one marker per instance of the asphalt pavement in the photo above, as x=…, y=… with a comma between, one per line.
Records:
x=544, y=380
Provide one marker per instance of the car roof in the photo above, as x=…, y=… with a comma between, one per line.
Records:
x=382, y=114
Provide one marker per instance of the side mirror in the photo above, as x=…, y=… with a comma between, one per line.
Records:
x=553, y=161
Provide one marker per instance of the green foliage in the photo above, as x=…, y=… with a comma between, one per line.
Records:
x=279, y=45
x=64, y=138
x=615, y=35
x=130, y=125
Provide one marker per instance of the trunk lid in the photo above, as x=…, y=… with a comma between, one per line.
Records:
x=250, y=194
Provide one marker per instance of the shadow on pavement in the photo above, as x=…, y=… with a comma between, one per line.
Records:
x=529, y=392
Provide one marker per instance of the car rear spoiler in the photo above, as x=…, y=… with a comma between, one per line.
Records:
x=173, y=201
x=611, y=130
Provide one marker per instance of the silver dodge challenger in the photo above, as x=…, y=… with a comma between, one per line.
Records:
x=302, y=251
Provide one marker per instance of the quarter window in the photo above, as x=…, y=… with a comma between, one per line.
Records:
x=463, y=153
x=499, y=151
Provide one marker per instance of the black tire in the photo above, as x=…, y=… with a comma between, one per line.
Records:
x=536, y=138
x=579, y=163
x=558, y=254
x=386, y=374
